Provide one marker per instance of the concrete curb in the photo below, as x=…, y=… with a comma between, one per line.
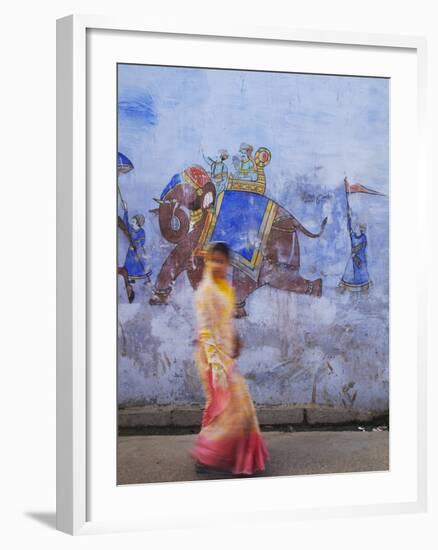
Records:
x=296, y=414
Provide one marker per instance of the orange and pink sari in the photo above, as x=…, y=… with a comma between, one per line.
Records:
x=230, y=437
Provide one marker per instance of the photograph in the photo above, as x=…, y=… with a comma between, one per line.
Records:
x=252, y=273
x=232, y=334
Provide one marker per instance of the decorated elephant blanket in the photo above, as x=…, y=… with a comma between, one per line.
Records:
x=244, y=220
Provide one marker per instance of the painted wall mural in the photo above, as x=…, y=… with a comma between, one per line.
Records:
x=302, y=200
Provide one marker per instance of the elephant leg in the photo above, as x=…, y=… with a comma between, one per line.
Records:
x=283, y=246
x=172, y=267
x=243, y=286
x=195, y=271
x=286, y=277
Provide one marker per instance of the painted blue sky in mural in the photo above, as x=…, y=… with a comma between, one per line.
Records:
x=319, y=129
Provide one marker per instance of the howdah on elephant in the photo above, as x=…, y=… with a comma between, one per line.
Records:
x=262, y=234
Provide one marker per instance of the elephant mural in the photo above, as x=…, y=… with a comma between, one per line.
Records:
x=262, y=234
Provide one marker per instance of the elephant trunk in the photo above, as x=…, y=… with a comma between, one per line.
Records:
x=174, y=222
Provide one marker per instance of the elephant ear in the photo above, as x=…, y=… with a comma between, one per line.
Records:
x=174, y=222
x=208, y=196
x=205, y=197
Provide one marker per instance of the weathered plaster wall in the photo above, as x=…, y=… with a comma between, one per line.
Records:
x=298, y=349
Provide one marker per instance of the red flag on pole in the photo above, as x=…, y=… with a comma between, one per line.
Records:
x=359, y=188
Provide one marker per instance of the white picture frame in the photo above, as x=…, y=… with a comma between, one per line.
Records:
x=74, y=218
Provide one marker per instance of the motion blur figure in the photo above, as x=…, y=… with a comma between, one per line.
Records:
x=230, y=441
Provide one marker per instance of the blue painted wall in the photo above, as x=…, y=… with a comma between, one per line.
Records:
x=319, y=129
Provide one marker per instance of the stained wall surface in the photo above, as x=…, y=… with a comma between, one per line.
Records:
x=319, y=130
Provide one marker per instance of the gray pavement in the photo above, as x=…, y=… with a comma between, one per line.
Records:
x=158, y=458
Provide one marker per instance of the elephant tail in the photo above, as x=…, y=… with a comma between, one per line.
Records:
x=308, y=233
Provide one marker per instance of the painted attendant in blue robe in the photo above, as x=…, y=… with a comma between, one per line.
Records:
x=356, y=275
x=218, y=170
x=134, y=262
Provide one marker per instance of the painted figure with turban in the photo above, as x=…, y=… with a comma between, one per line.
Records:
x=218, y=170
x=135, y=262
x=244, y=164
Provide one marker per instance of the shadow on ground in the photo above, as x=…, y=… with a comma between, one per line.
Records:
x=46, y=518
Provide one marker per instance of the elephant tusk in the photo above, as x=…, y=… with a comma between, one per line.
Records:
x=159, y=201
x=175, y=206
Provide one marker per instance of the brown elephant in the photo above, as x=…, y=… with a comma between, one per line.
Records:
x=184, y=214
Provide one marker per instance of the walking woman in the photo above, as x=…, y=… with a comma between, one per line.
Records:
x=230, y=441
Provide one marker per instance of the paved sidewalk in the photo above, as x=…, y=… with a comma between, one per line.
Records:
x=158, y=458
x=306, y=415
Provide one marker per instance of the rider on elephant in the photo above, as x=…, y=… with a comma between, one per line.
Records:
x=244, y=165
x=194, y=192
x=218, y=170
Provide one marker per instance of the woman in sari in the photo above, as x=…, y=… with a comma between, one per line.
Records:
x=230, y=441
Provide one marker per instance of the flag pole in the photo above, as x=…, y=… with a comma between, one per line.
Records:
x=347, y=193
x=346, y=189
x=120, y=193
x=118, y=189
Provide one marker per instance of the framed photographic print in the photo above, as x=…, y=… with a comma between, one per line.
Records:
x=240, y=295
